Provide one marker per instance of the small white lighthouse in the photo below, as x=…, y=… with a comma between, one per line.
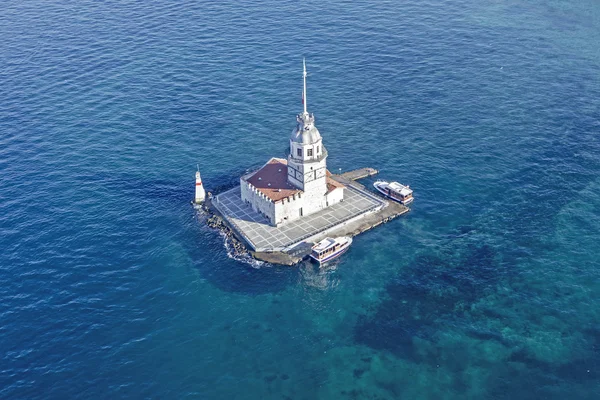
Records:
x=200, y=194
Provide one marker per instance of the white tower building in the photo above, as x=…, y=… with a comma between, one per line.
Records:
x=286, y=190
x=307, y=161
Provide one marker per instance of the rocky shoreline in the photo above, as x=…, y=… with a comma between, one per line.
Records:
x=216, y=222
x=293, y=256
x=238, y=248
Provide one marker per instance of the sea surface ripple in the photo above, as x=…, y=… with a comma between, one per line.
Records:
x=112, y=286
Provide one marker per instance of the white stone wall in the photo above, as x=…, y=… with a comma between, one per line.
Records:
x=335, y=196
x=258, y=201
x=288, y=209
x=314, y=195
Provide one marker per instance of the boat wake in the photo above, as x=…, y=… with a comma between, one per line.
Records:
x=319, y=277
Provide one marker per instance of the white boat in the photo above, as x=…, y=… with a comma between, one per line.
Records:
x=395, y=191
x=329, y=248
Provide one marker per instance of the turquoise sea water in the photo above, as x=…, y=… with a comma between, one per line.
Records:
x=111, y=286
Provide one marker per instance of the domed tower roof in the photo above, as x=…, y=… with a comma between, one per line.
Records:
x=305, y=131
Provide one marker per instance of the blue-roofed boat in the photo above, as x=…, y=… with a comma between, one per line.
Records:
x=395, y=191
x=330, y=248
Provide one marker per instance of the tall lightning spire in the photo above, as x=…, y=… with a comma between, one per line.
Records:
x=304, y=91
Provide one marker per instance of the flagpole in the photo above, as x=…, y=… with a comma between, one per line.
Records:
x=304, y=91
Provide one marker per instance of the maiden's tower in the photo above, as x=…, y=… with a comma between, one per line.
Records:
x=285, y=190
x=290, y=203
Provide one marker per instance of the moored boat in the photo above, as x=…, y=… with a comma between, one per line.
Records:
x=395, y=191
x=330, y=248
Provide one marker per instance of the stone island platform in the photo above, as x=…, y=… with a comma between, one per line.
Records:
x=289, y=243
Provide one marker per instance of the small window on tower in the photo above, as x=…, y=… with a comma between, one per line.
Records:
x=318, y=148
x=309, y=152
x=299, y=152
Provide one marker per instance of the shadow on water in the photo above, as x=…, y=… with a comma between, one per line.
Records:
x=204, y=245
x=239, y=277
x=244, y=275
x=587, y=369
x=432, y=291
x=435, y=289
x=548, y=375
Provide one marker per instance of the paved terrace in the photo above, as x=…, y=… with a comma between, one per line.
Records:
x=264, y=237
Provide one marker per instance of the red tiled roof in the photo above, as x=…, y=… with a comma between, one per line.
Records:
x=271, y=180
x=332, y=184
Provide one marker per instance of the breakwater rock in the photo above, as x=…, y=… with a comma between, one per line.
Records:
x=237, y=248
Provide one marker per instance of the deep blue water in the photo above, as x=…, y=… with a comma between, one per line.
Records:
x=111, y=286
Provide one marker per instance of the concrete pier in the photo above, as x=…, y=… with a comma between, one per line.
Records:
x=289, y=243
x=357, y=174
